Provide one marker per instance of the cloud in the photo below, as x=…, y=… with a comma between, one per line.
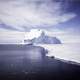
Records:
x=22, y=14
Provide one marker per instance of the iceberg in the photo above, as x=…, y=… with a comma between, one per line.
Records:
x=45, y=39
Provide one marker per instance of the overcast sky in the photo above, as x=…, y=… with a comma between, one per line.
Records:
x=22, y=15
x=60, y=17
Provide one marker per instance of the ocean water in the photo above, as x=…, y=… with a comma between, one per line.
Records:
x=19, y=61
x=66, y=51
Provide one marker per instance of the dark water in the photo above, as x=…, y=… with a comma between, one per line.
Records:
x=27, y=62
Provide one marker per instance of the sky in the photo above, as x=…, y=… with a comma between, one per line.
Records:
x=23, y=15
x=59, y=16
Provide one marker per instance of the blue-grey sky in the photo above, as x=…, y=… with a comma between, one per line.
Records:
x=22, y=15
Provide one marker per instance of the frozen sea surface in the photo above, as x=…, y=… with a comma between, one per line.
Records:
x=67, y=51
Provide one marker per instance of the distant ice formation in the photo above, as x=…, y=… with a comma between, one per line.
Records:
x=43, y=39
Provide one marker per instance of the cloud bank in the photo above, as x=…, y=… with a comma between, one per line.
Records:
x=24, y=14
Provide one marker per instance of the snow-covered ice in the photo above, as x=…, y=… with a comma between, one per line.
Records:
x=67, y=51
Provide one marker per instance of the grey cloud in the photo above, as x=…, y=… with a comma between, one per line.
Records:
x=32, y=13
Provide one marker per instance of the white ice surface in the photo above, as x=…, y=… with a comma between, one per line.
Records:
x=67, y=51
